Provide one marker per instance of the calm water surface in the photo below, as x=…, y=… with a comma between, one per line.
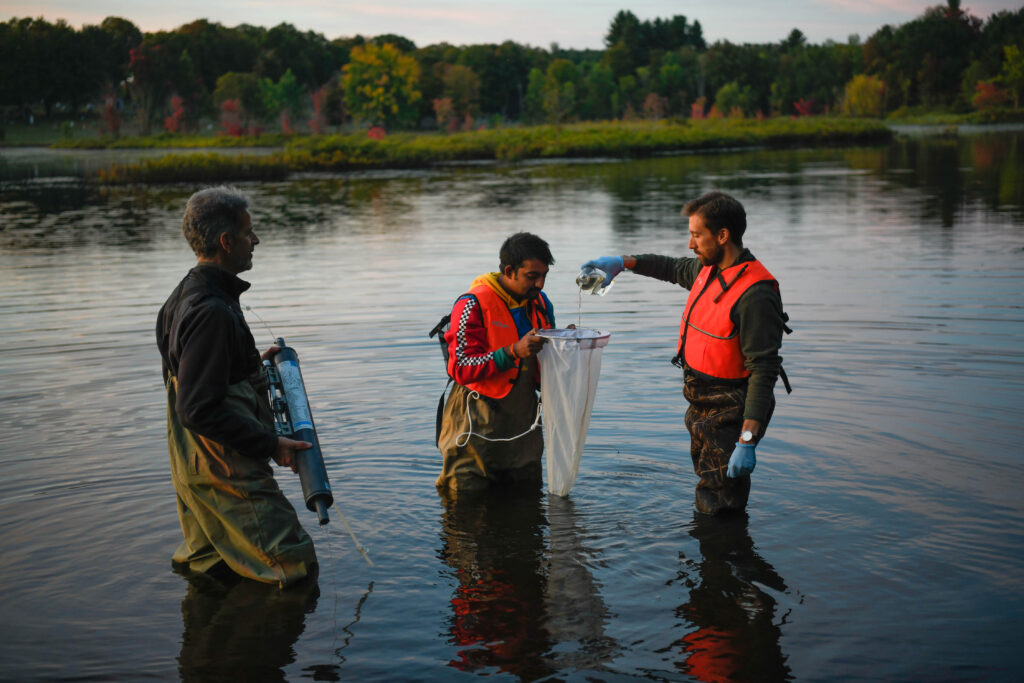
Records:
x=885, y=534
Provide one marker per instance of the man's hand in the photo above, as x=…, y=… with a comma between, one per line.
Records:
x=286, y=449
x=270, y=353
x=742, y=460
x=529, y=345
x=611, y=265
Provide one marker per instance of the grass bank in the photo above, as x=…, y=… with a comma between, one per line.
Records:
x=206, y=167
x=175, y=141
x=419, y=150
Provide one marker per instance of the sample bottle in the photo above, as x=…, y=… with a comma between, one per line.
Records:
x=592, y=280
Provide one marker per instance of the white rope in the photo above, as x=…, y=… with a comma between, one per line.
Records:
x=469, y=432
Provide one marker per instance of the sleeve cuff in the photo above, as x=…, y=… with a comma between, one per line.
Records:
x=503, y=360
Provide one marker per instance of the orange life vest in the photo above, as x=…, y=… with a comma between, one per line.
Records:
x=501, y=332
x=708, y=341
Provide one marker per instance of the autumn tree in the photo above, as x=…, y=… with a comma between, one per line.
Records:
x=380, y=85
x=864, y=96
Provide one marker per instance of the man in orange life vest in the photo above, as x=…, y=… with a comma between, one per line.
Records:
x=485, y=435
x=729, y=340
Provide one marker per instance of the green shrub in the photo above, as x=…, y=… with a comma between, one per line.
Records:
x=197, y=167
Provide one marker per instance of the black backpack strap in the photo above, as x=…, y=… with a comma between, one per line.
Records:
x=782, y=372
x=439, y=329
x=440, y=412
x=440, y=326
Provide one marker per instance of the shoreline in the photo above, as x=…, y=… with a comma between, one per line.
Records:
x=339, y=153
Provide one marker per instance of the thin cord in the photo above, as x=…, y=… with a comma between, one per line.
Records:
x=359, y=546
x=460, y=442
x=249, y=308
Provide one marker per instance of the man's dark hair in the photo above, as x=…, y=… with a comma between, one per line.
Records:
x=210, y=213
x=719, y=210
x=522, y=246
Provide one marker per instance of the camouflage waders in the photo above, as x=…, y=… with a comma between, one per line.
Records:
x=714, y=419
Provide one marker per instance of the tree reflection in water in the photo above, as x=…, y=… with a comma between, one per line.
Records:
x=732, y=634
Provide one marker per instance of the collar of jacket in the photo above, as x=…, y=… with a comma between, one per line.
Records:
x=491, y=280
x=215, y=276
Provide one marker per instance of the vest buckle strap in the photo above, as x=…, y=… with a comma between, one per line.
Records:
x=730, y=283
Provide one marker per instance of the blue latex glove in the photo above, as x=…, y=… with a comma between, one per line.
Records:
x=741, y=461
x=611, y=265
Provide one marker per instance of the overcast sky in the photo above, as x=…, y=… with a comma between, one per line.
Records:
x=570, y=23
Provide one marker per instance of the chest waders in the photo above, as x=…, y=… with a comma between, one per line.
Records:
x=473, y=463
x=713, y=419
x=229, y=504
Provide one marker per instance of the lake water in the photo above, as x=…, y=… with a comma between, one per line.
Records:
x=885, y=532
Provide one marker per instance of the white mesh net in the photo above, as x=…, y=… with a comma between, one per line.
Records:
x=570, y=365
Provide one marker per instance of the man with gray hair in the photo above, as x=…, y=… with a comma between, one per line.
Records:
x=219, y=426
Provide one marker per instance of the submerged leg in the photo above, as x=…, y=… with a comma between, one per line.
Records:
x=714, y=419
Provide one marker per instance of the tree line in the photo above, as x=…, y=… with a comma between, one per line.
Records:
x=247, y=77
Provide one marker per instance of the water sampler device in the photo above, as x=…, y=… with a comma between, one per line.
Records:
x=294, y=420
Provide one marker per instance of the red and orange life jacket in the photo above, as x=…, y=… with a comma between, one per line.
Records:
x=708, y=341
x=501, y=332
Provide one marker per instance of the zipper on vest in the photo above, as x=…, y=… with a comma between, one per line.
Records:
x=678, y=359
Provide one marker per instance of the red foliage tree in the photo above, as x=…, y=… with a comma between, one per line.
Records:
x=286, y=123
x=655, y=106
x=230, y=120
x=319, y=119
x=174, y=122
x=804, y=106
x=988, y=95
x=111, y=116
x=697, y=108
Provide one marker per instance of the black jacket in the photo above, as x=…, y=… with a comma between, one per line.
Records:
x=205, y=342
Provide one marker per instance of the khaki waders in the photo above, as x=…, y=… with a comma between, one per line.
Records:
x=477, y=463
x=230, y=507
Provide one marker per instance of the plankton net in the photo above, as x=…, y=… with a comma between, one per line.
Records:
x=570, y=364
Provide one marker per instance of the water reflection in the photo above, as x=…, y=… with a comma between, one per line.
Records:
x=907, y=350
x=241, y=630
x=517, y=608
x=947, y=174
x=576, y=612
x=67, y=214
x=730, y=613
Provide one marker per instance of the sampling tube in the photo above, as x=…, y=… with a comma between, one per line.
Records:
x=316, y=489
